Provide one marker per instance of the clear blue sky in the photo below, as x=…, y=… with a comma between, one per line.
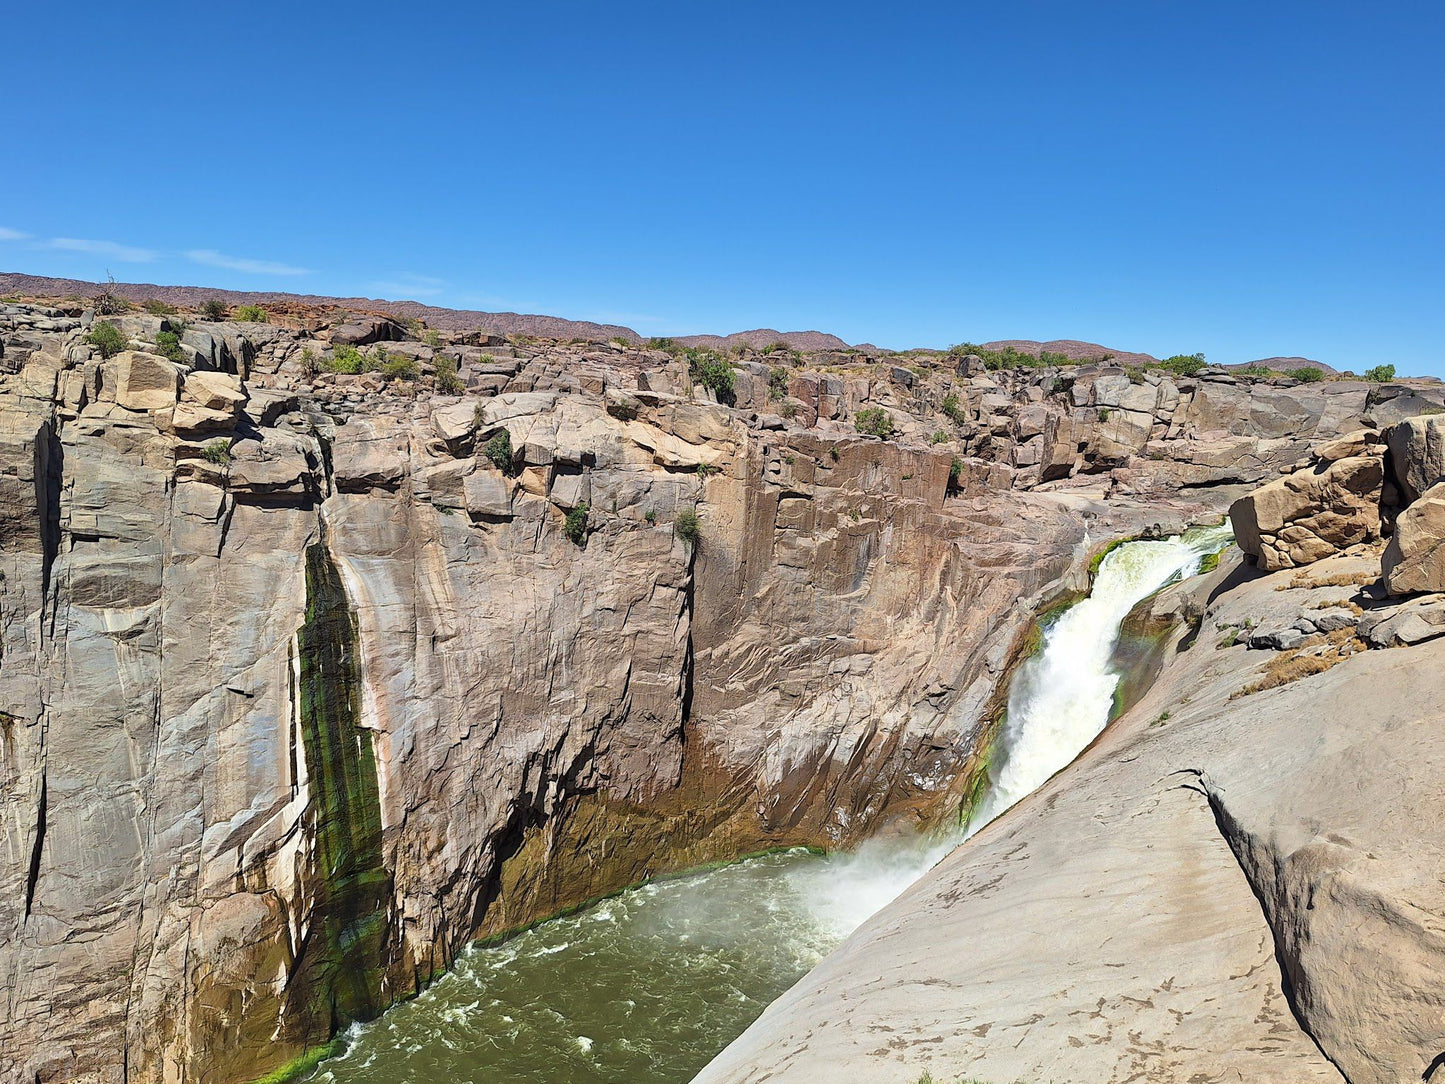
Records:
x=1246, y=179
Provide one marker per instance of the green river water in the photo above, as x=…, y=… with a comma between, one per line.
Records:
x=642, y=988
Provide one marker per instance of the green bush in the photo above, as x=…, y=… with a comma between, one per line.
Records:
x=1256, y=369
x=168, y=345
x=214, y=308
x=939, y=437
x=712, y=371
x=1010, y=358
x=433, y=339
x=106, y=338
x=576, y=525
x=448, y=382
x=650, y=516
x=1184, y=364
x=156, y=307
x=1307, y=374
x=955, y=471
x=345, y=359
x=705, y=470
x=665, y=345
x=399, y=367
x=218, y=451
x=686, y=526
x=1380, y=374
x=499, y=451
x=955, y=413
x=251, y=314
x=777, y=383
x=874, y=421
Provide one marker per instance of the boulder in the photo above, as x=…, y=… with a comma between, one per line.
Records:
x=1414, y=561
x=1417, y=454
x=455, y=423
x=144, y=381
x=277, y=467
x=1400, y=626
x=487, y=494
x=215, y=391
x=1310, y=514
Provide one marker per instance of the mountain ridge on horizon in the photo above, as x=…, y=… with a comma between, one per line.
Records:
x=450, y=319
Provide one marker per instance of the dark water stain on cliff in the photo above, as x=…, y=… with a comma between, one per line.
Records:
x=341, y=960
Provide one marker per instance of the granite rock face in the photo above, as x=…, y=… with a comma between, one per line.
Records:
x=1312, y=513
x=304, y=683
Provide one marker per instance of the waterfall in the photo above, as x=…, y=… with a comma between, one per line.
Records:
x=1059, y=701
x=1061, y=698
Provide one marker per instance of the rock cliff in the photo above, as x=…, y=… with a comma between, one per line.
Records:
x=1239, y=880
x=308, y=676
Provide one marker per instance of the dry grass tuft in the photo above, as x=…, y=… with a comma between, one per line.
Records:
x=1339, y=579
x=1290, y=666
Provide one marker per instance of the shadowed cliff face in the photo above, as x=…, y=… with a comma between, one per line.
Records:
x=254, y=784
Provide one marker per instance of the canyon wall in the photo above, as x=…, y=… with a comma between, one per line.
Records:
x=307, y=678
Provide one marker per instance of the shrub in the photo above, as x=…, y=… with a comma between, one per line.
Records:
x=955, y=471
x=345, y=359
x=665, y=345
x=214, y=308
x=310, y=363
x=705, y=470
x=1380, y=374
x=434, y=339
x=650, y=516
x=955, y=413
x=874, y=421
x=1307, y=374
x=218, y=451
x=168, y=345
x=1255, y=369
x=156, y=307
x=576, y=525
x=712, y=371
x=499, y=451
x=251, y=314
x=833, y=453
x=777, y=383
x=106, y=338
x=448, y=382
x=686, y=526
x=400, y=368
x=789, y=409
x=939, y=437
x=1184, y=364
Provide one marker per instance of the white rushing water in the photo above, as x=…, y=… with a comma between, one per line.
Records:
x=1059, y=701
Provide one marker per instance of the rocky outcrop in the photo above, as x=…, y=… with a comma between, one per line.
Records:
x=1315, y=512
x=1414, y=561
x=1238, y=880
x=308, y=677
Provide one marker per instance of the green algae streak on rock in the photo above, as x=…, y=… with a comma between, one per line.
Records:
x=339, y=976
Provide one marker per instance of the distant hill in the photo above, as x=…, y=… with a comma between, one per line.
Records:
x=504, y=323
x=1283, y=365
x=1073, y=349
x=796, y=340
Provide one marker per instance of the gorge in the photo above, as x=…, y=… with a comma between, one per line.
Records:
x=313, y=677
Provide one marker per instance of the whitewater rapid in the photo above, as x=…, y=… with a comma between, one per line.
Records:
x=1059, y=701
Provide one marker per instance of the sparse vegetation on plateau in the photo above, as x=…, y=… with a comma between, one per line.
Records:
x=251, y=314
x=1306, y=374
x=1380, y=374
x=1183, y=364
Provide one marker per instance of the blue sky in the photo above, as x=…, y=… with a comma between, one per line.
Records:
x=1246, y=179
